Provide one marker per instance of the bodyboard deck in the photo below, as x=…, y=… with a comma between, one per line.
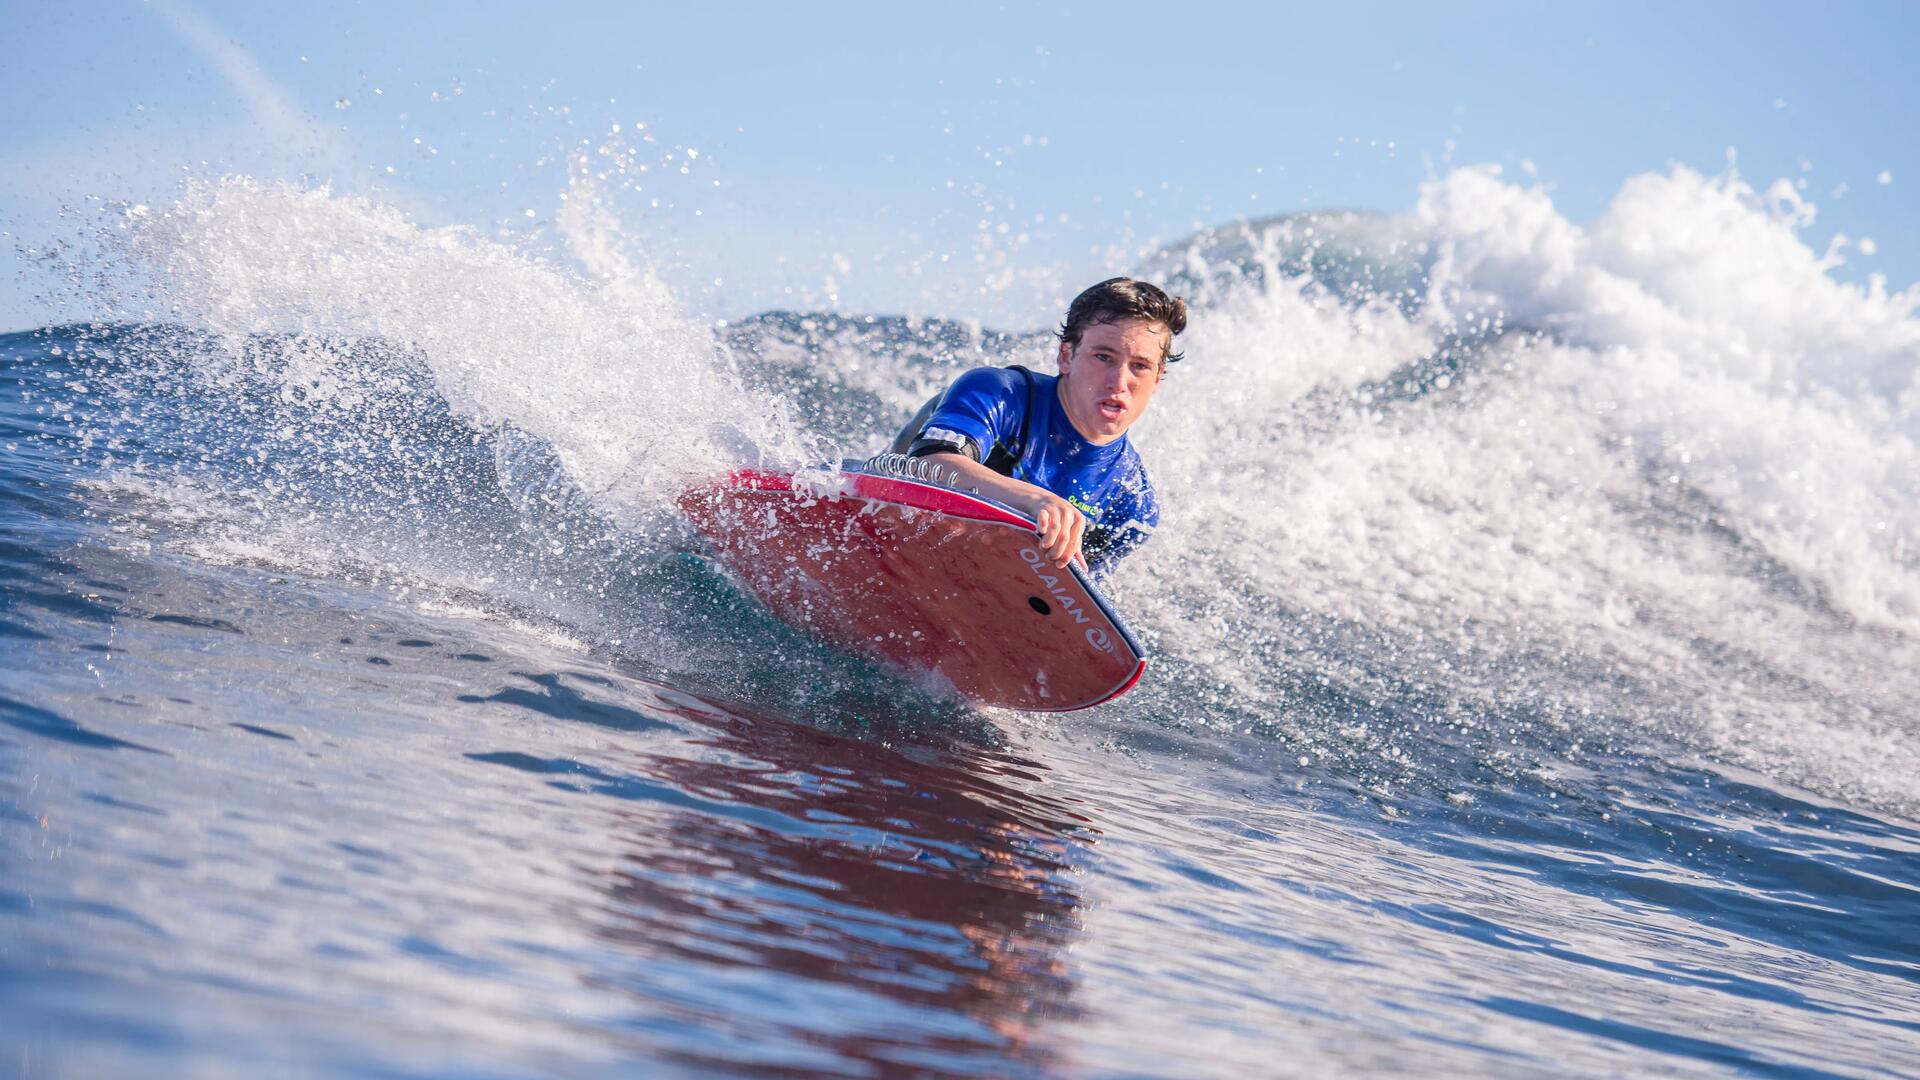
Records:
x=942, y=584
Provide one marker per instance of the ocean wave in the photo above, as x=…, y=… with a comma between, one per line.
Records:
x=1537, y=490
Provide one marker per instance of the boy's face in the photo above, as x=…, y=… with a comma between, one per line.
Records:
x=1107, y=379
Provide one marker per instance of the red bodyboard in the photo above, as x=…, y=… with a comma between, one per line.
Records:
x=946, y=586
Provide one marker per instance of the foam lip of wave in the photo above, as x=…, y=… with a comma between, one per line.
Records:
x=1714, y=333
x=1620, y=483
x=630, y=395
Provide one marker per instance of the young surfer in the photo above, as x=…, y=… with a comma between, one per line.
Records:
x=1055, y=447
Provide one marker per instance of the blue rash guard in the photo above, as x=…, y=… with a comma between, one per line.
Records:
x=988, y=412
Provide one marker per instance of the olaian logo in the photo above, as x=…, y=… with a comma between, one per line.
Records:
x=1095, y=636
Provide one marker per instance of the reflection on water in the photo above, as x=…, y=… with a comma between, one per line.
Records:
x=903, y=908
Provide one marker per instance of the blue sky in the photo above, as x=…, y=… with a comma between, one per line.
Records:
x=867, y=155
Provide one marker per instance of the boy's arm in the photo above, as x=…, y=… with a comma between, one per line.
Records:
x=1061, y=523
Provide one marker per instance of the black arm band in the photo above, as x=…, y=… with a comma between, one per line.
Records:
x=923, y=446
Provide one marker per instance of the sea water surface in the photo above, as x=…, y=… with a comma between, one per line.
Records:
x=1535, y=677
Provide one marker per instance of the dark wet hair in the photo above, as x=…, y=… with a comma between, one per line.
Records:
x=1125, y=298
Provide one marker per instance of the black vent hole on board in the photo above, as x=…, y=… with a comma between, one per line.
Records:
x=1039, y=605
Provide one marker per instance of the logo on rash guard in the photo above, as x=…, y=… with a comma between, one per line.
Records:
x=1085, y=507
x=1096, y=637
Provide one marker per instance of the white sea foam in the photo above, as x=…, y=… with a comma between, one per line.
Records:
x=1719, y=338
x=605, y=368
x=1687, y=507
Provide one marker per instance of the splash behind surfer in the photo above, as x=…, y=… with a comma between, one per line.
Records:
x=1055, y=447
